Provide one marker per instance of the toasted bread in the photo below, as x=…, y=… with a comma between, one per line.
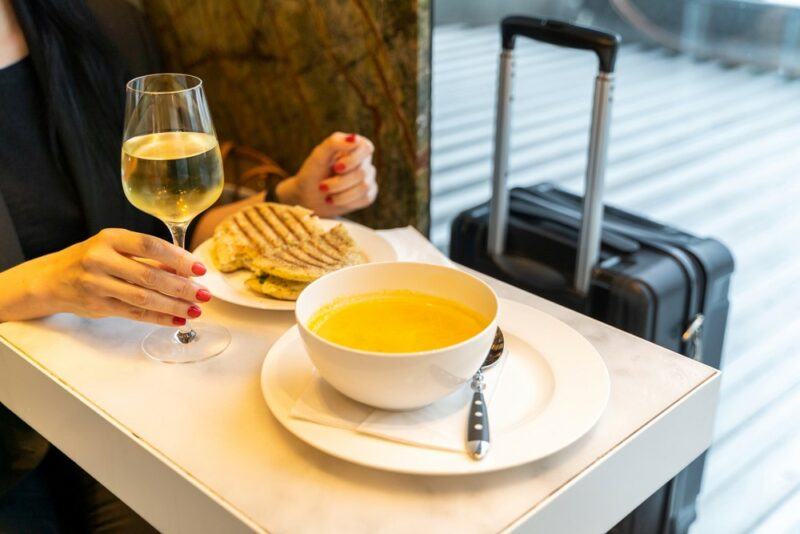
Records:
x=284, y=246
x=275, y=287
x=258, y=230
x=307, y=261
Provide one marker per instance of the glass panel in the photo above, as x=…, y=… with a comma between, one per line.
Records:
x=704, y=136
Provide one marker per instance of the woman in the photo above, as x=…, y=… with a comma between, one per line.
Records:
x=67, y=234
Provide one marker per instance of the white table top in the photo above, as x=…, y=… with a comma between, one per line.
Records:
x=208, y=424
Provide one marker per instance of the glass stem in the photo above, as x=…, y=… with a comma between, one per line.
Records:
x=185, y=333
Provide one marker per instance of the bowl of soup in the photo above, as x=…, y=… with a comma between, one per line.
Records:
x=397, y=335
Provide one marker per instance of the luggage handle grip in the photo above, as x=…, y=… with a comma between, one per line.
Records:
x=562, y=34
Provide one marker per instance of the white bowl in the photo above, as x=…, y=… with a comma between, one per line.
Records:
x=398, y=381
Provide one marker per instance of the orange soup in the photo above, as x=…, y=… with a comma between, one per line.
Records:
x=396, y=321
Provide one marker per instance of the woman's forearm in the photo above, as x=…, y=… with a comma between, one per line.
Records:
x=22, y=296
x=115, y=272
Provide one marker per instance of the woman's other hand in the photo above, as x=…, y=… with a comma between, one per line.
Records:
x=114, y=273
x=337, y=178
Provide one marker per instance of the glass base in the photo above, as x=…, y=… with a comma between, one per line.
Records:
x=164, y=344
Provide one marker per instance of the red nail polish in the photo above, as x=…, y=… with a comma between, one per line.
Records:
x=350, y=138
x=203, y=295
x=329, y=199
x=339, y=167
x=178, y=321
x=199, y=269
x=194, y=311
x=323, y=187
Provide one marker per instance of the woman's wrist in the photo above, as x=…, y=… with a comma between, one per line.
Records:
x=286, y=191
x=42, y=290
x=29, y=292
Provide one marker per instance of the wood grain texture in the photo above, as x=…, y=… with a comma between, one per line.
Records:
x=281, y=75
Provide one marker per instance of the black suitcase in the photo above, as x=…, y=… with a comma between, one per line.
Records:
x=649, y=279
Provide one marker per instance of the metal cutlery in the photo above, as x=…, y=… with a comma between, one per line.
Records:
x=478, y=437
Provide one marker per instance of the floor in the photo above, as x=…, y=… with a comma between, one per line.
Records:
x=710, y=148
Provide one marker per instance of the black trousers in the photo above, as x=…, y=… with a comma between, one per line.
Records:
x=59, y=497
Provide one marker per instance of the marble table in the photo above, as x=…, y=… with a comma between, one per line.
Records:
x=195, y=449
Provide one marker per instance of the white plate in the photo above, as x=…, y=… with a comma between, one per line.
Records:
x=230, y=286
x=553, y=389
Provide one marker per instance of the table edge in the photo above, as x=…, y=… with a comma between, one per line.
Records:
x=713, y=379
x=118, y=425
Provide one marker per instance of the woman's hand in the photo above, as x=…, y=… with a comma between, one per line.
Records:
x=116, y=272
x=337, y=178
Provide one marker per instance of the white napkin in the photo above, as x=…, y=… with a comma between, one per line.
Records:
x=441, y=425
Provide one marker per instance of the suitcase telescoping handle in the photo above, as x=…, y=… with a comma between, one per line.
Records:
x=561, y=34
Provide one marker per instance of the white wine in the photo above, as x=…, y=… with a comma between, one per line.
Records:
x=172, y=175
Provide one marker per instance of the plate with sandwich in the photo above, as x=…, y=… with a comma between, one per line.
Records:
x=264, y=255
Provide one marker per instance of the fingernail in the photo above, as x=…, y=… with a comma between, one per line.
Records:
x=203, y=295
x=199, y=269
x=329, y=199
x=350, y=138
x=323, y=187
x=178, y=321
x=194, y=311
x=339, y=167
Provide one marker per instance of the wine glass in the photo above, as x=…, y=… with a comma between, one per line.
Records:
x=172, y=170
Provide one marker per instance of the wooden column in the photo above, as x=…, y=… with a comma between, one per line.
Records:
x=282, y=74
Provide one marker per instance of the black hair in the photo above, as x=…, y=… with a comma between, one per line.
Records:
x=82, y=79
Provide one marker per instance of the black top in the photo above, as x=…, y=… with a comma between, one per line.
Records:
x=41, y=199
x=21, y=449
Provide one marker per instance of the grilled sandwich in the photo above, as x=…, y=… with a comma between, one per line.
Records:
x=284, y=246
x=278, y=288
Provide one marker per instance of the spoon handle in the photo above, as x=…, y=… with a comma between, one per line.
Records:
x=478, y=429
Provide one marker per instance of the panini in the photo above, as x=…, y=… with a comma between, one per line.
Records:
x=284, y=246
x=275, y=287
x=258, y=230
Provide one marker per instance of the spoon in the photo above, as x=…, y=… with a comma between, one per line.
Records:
x=478, y=424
